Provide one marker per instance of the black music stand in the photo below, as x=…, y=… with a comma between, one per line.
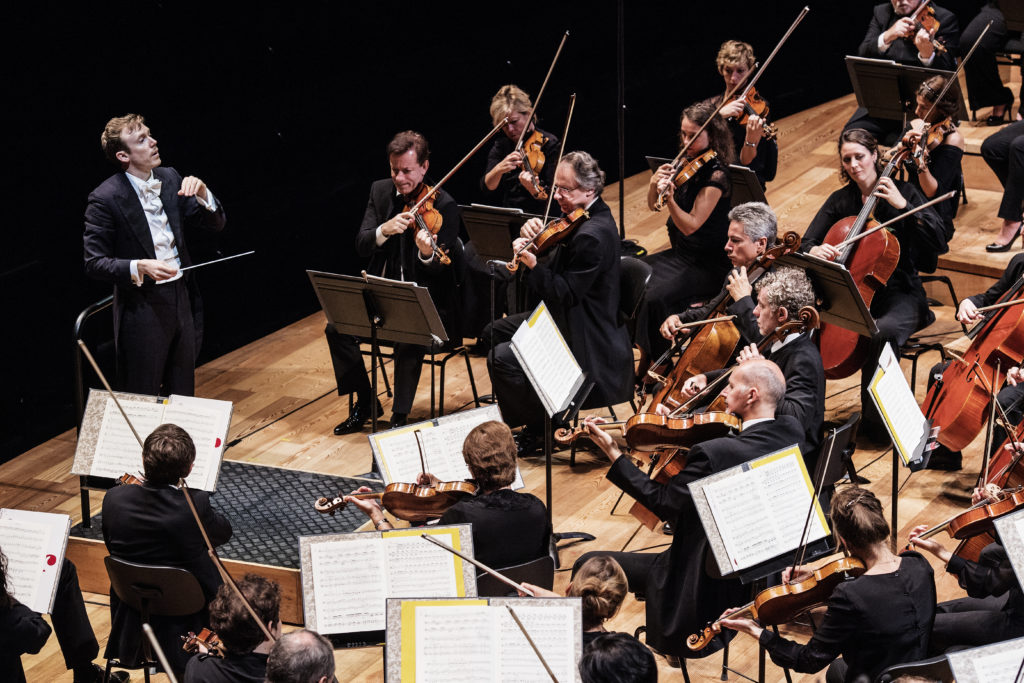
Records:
x=381, y=309
x=842, y=304
x=888, y=89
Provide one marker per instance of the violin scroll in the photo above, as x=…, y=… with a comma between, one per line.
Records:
x=205, y=638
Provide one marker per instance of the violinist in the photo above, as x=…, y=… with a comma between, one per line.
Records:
x=994, y=608
x=893, y=34
x=680, y=596
x=398, y=249
x=879, y=619
x=780, y=294
x=693, y=267
x=901, y=307
x=579, y=282
x=1004, y=154
x=245, y=645
x=509, y=527
x=735, y=61
x=505, y=173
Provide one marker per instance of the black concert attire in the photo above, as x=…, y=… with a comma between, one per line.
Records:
x=158, y=328
x=742, y=308
x=873, y=621
x=248, y=668
x=1004, y=153
x=992, y=612
x=154, y=525
x=901, y=307
x=902, y=51
x=766, y=161
x=510, y=192
x=693, y=267
x=681, y=597
x=398, y=258
x=509, y=528
x=945, y=164
x=579, y=283
x=984, y=86
x=22, y=631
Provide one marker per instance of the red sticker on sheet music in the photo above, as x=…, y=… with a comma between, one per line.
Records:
x=216, y=444
x=51, y=560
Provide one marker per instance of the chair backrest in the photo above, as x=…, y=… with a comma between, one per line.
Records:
x=634, y=275
x=1013, y=12
x=153, y=590
x=933, y=669
x=835, y=448
x=539, y=572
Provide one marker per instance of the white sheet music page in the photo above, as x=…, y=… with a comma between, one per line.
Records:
x=749, y=534
x=117, y=450
x=349, y=584
x=417, y=568
x=996, y=663
x=1011, y=532
x=207, y=421
x=899, y=409
x=456, y=644
x=399, y=453
x=547, y=360
x=444, y=445
x=790, y=493
x=553, y=632
x=34, y=543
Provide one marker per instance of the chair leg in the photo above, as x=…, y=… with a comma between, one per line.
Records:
x=440, y=401
x=433, y=393
x=106, y=672
x=472, y=379
x=725, y=663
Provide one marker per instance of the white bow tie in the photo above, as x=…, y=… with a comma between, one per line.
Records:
x=150, y=188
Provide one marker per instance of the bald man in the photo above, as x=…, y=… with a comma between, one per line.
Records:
x=681, y=597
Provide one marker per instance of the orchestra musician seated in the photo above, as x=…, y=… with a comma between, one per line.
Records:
x=680, y=595
x=244, y=643
x=509, y=527
x=781, y=294
x=617, y=658
x=301, y=657
x=993, y=610
x=876, y=620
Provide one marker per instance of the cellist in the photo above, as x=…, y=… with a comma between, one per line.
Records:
x=900, y=308
x=680, y=596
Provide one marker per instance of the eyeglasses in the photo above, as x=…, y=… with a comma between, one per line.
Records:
x=565, y=190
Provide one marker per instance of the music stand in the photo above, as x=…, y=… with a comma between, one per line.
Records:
x=888, y=90
x=842, y=304
x=745, y=186
x=381, y=309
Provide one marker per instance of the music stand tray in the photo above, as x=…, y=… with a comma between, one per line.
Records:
x=842, y=303
x=492, y=229
x=888, y=89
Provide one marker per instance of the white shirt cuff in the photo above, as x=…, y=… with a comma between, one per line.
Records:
x=133, y=268
x=381, y=237
x=210, y=203
x=926, y=62
x=882, y=45
x=425, y=259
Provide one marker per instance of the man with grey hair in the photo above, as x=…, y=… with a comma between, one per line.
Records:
x=301, y=657
x=780, y=296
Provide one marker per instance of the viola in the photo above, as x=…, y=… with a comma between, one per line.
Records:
x=206, y=638
x=411, y=502
x=924, y=18
x=978, y=519
x=129, y=480
x=551, y=234
x=428, y=218
x=755, y=105
x=781, y=604
x=532, y=151
x=648, y=432
x=682, y=171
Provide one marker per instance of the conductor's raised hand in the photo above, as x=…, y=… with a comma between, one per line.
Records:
x=156, y=269
x=192, y=186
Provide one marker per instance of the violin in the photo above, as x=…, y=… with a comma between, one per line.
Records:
x=683, y=170
x=781, y=604
x=652, y=432
x=755, y=105
x=924, y=18
x=206, y=638
x=974, y=527
x=428, y=218
x=552, y=233
x=411, y=502
x=532, y=151
x=129, y=480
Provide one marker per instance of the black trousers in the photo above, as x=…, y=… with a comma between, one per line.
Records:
x=157, y=342
x=972, y=622
x=351, y=375
x=1004, y=153
x=984, y=86
x=516, y=398
x=897, y=315
x=71, y=622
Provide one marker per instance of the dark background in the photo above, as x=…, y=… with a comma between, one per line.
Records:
x=285, y=109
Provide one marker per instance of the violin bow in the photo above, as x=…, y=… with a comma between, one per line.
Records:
x=862, y=235
x=419, y=447
x=540, y=93
x=479, y=565
x=103, y=378
x=536, y=650
x=785, y=37
x=801, y=551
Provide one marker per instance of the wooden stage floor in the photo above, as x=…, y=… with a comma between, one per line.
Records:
x=285, y=406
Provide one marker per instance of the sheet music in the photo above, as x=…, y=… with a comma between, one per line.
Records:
x=997, y=663
x=1011, y=533
x=898, y=407
x=739, y=511
x=34, y=544
x=552, y=630
x=789, y=493
x=417, y=568
x=547, y=360
x=400, y=454
x=456, y=643
x=117, y=450
x=206, y=421
x=349, y=584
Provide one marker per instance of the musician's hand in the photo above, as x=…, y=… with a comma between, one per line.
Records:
x=531, y=228
x=427, y=479
x=666, y=185
x=512, y=161
x=968, y=312
x=796, y=574
x=732, y=109
x=398, y=224
x=369, y=506
x=602, y=438
x=526, y=257
x=1014, y=376
x=663, y=173
x=901, y=29
x=743, y=625
x=887, y=190
x=989, y=492
x=749, y=352
x=695, y=385
x=424, y=243
x=193, y=187
x=156, y=269
x=738, y=285
x=538, y=592
x=927, y=544
x=825, y=251
x=923, y=41
x=526, y=180
x=755, y=129
x=671, y=327
x=662, y=409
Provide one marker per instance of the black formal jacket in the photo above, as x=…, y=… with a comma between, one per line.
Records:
x=992, y=575
x=903, y=50
x=151, y=525
x=580, y=285
x=681, y=597
x=510, y=192
x=743, y=309
x=22, y=631
x=398, y=258
x=1010, y=277
x=117, y=232
x=509, y=527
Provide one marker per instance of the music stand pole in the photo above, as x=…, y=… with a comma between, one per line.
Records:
x=376, y=322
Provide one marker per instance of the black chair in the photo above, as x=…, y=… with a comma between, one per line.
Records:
x=934, y=669
x=539, y=572
x=915, y=347
x=634, y=275
x=836, y=456
x=152, y=591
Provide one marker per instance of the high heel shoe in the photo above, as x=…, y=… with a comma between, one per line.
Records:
x=995, y=247
x=1005, y=117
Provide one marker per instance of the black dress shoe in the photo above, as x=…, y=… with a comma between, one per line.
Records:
x=526, y=442
x=667, y=529
x=356, y=419
x=94, y=674
x=1004, y=247
x=399, y=420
